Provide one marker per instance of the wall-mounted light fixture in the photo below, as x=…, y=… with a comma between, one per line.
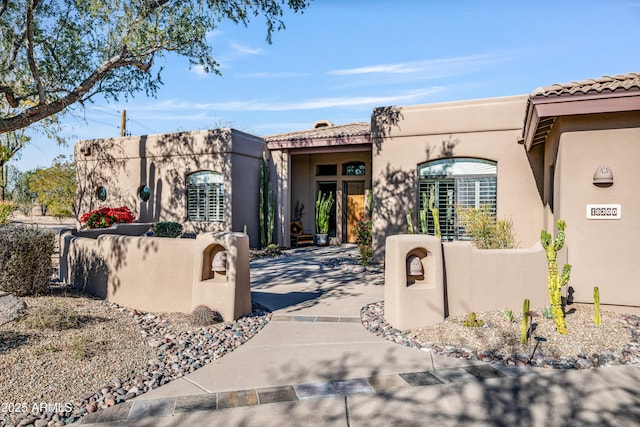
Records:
x=219, y=262
x=603, y=177
x=414, y=266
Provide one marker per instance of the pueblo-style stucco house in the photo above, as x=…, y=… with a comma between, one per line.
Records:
x=563, y=152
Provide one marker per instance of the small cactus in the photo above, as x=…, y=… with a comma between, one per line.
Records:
x=508, y=315
x=597, y=318
x=410, y=221
x=524, y=338
x=204, y=316
x=547, y=313
x=472, y=321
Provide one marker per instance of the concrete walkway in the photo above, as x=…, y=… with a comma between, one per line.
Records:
x=314, y=364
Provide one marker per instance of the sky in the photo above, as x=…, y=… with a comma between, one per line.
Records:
x=342, y=58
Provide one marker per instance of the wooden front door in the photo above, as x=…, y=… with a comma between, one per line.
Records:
x=354, y=194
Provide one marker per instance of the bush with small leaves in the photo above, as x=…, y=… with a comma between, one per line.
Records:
x=204, y=316
x=25, y=259
x=6, y=209
x=166, y=229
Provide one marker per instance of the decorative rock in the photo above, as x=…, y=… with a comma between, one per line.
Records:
x=11, y=307
x=372, y=317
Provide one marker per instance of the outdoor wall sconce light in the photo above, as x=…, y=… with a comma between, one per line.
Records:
x=219, y=263
x=603, y=177
x=414, y=266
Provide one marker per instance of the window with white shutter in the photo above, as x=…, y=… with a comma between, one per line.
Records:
x=457, y=182
x=205, y=196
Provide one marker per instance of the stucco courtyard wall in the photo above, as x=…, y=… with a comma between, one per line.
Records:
x=460, y=279
x=163, y=162
x=488, y=129
x=157, y=274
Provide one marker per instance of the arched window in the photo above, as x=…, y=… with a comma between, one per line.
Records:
x=456, y=183
x=205, y=196
x=353, y=168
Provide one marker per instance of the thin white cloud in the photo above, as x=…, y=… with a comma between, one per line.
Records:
x=430, y=68
x=271, y=75
x=180, y=107
x=245, y=50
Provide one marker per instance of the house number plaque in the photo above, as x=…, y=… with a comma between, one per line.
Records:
x=604, y=211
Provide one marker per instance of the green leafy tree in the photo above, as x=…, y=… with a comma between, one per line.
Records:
x=55, y=187
x=57, y=53
x=10, y=145
x=20, y=193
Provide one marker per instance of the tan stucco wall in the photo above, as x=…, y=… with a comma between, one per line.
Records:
x=145, y=273
x=304, y=184
x=495, y=279
x=603, y=253
x=158, y=274
x=486, y=129
x=163, y=162
x=459, y=279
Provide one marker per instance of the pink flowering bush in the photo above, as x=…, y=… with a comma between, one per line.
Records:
x=106, y=217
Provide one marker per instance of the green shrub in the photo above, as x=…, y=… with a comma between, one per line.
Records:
x=6, y=209
x=166, y=229
x=364, y=238
x=25, y=259
x=485, y=230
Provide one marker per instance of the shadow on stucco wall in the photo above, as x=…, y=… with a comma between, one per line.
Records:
x=396, y=191
x=97, y=162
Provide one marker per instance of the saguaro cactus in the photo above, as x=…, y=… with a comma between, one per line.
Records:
x=435, y=213
x=524, y=337
x=555, y=282
x=422, y=215
x=266, y=209
x=410, y=221
x=597, y=318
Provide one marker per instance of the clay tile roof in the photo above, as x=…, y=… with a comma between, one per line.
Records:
x=325, y=132
x=620, y=82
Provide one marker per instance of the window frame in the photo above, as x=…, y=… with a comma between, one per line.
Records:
x=205, y=196
x=451, y=178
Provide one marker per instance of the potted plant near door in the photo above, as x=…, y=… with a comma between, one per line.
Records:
x=324, y=203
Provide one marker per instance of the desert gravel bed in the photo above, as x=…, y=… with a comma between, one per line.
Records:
x=115, y=355
x=616, y=342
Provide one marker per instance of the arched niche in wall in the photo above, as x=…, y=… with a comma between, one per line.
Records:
x=420, y=268
x=215, y=263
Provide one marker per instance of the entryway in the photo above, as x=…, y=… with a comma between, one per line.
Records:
x=355, y=203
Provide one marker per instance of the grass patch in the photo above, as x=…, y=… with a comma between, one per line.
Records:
x=53, y=317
